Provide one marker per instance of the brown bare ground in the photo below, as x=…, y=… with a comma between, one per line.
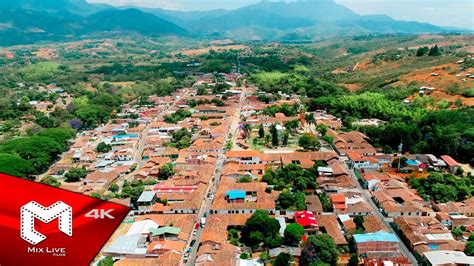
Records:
x=200, y=51
x=447, y=77
x=46, y=53
x=351, y=86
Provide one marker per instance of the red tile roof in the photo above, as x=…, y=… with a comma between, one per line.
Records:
x=306, y=219
x=449, y=160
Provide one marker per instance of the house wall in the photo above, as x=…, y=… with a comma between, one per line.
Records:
x=366, y=247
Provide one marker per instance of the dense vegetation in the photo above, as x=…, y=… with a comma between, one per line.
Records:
x=261, y=229
x=438, y=132
x=291, y=175
x=32, y=155
x=443, y=187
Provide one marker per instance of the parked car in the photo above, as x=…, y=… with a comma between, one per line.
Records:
x=193, y=242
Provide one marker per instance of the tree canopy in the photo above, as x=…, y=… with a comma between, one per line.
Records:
x=319, y=247
x=293, y=234
x=443, y=187
x=261, y=229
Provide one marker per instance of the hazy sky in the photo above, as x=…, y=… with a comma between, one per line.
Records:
x=457, y=13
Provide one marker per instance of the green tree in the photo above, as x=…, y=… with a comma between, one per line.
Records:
x=469, y=249
x=291, y=201
x=457, y=232
x=50, y=181
x=260, y=228
x=247, y=128
x=310, y=119
x=354, y=260
x=293, y=234
x=434, y=51
x=274, y=133
x=244, y=256
x=292, y=125
x=264, y=257
x=107, y=261
x=286, y=137
x=283, y=259
x=359, y=222
x=15, y=165
x=308, y=254
x=114, y=187
x=322, y=129
x=309, y=142
x=245, y=179
x=166, y=171
x=103, y=147
x=422, y=51
x=261, y=132
x=45, y=121
x=325, y=248
x=75, y=174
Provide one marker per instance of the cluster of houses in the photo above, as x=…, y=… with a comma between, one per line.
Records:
x=357, y=179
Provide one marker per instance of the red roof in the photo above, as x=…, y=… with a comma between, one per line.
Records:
x=449, y=160
x=170, y=189
x=306, y=219
x=355, y=156
x=338, y=198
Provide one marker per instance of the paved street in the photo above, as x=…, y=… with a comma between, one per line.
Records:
x=211, y=190
x=386, y=221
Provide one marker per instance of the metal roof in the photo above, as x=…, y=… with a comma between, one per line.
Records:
x=127, y=245
x=380, y=236
x=146, y=196
x=448, y=257
x=235, y=194
x=165, y=230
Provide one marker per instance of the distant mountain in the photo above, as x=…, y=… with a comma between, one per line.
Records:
x=28, y=26
x=310, y=19
x=26, y=21
x=80, y=7
x=29, y=21
x=130, y=20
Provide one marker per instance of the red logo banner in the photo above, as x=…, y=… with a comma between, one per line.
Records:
x=43, y=225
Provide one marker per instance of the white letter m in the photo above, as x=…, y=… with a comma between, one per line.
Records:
x=32, y=210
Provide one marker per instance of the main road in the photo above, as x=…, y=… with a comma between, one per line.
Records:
x=386, y=221
x=212, y=188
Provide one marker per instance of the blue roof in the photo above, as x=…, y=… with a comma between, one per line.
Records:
x=411, y=162
x=235, y=194
x=375, y=237
x=125, y=136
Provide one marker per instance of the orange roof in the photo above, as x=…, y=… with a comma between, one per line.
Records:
x=338, y=198
x=449, y=160
x=355, y=156
x=246, y=153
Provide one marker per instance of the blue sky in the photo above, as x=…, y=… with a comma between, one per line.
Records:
x=457, y=13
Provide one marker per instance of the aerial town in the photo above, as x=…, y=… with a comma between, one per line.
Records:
x=226, y=179
x=237, y=133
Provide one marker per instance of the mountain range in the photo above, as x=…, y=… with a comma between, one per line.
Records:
x=29, y=21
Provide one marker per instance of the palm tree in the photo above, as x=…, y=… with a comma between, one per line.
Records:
x=246, y=128
x=310, y=119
